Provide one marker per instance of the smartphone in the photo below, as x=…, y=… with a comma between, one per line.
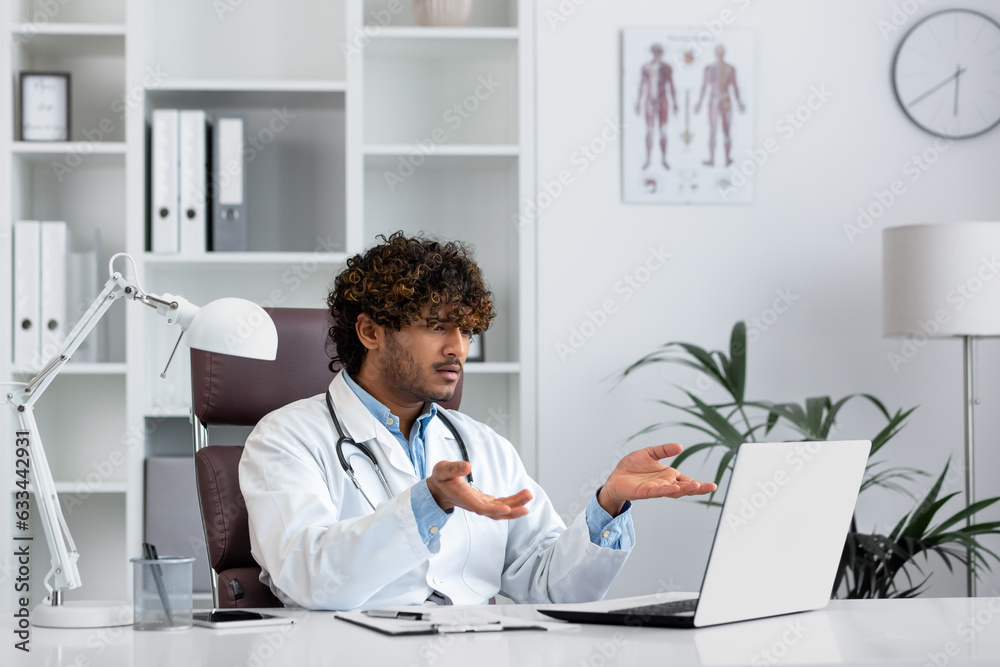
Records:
x=236, y=618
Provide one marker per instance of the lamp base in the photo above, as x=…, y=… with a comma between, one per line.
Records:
x=82, y=614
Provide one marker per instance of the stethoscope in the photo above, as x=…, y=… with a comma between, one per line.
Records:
x=348, y=440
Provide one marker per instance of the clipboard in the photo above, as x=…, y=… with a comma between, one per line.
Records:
x=394, y=627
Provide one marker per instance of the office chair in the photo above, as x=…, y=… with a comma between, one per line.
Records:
x=235, y=391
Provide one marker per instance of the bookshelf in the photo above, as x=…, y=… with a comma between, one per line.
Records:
x=364, y=95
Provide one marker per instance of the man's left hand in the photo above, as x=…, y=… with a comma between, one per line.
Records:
x=640, y=475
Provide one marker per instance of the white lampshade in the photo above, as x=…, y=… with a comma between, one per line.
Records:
x=234, y=326
x=941, y=279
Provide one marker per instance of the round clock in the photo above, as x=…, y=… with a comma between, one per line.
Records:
x=946, y=74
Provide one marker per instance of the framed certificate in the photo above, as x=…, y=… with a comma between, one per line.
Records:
x=477, y=351
x=45, y=106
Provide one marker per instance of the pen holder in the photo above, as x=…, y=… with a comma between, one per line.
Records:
x=162, y=598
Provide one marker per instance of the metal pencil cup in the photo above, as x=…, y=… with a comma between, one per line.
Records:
x=162, y=598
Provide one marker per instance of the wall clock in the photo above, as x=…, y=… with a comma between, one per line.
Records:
x=946, y=74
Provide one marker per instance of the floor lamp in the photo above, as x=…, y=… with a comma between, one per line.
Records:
x=943, y=281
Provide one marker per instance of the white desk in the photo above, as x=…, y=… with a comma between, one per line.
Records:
x=919, y=632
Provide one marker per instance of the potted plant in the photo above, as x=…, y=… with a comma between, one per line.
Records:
x=873, y=564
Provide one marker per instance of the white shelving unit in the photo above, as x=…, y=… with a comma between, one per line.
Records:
x=320, y=191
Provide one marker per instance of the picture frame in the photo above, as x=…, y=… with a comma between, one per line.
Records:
x=477, y=349
x=45, y=106
x=688, y=102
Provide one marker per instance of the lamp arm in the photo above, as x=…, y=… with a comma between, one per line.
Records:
x=63, y=551
x=116, y=288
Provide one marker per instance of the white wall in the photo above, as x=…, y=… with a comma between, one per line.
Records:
x=729, y=263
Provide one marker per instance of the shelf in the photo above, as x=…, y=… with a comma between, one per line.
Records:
x=78, y=369
x=72, y=41
x=444, y=150
x=465, y=44
x=493, y=367
x=459, y=157
x=420, y=32
x=30, y=30
x=252, y=86
x=51, y=148
x=84, y=487
x=169, y=412
x=248, y=258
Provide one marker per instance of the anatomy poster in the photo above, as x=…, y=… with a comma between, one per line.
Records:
x=687, y=107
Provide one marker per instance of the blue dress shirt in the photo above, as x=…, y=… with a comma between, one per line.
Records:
x=605, y=531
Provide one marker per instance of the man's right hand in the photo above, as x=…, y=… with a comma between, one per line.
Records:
x=449, y=489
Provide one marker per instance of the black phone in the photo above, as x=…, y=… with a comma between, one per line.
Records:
x=236, y=618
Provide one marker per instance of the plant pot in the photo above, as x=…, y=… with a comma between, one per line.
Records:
x=452, y=13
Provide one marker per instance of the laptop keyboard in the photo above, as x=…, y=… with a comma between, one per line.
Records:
x=661, y=609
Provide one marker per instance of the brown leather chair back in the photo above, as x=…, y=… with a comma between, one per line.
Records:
x=235, y=391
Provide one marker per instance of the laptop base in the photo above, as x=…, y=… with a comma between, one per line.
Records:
x=636, y=620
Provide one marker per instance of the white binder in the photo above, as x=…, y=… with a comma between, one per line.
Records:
x=229, y=212
x=52, y=321
x=82, y=288
x=193, y=179
x=164, y=229
x=27, y=292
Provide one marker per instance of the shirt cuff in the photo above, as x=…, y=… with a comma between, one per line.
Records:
x=430, y=517
x=607, y=531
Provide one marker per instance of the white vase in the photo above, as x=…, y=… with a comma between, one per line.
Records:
x=442, y=12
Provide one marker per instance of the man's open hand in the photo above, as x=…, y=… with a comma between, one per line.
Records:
x=448, y=487
x=640, y=475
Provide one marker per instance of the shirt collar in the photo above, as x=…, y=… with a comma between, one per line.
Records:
x=381, y=412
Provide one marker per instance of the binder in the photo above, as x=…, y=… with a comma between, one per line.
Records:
x=52, y=316
x=83, y=286
x=193, y=179
x=229, y=210
x=164, y=231
x=27, y=293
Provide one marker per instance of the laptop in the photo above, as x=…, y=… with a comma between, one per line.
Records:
x=778, y=543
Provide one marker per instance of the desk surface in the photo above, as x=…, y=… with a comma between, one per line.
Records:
x=918, y=632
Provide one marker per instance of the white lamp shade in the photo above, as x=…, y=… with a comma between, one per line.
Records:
x=234, y=326
x=941, y=279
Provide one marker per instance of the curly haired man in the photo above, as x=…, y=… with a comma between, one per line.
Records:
x=442, y=510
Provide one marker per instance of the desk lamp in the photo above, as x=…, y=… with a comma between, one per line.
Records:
x=228, y=326
x=940, y=281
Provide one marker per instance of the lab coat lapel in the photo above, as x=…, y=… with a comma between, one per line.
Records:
x=360, y=425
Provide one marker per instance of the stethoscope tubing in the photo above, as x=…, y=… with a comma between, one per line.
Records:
x=344, y=438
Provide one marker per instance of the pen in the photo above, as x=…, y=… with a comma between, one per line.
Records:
x=401, y=615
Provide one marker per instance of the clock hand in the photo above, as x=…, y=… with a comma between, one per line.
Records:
x=958, y=70
x=938, y=87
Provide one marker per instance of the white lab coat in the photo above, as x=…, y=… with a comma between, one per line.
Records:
x=321, y=546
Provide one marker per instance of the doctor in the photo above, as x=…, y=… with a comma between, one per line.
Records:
x=414, y=530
